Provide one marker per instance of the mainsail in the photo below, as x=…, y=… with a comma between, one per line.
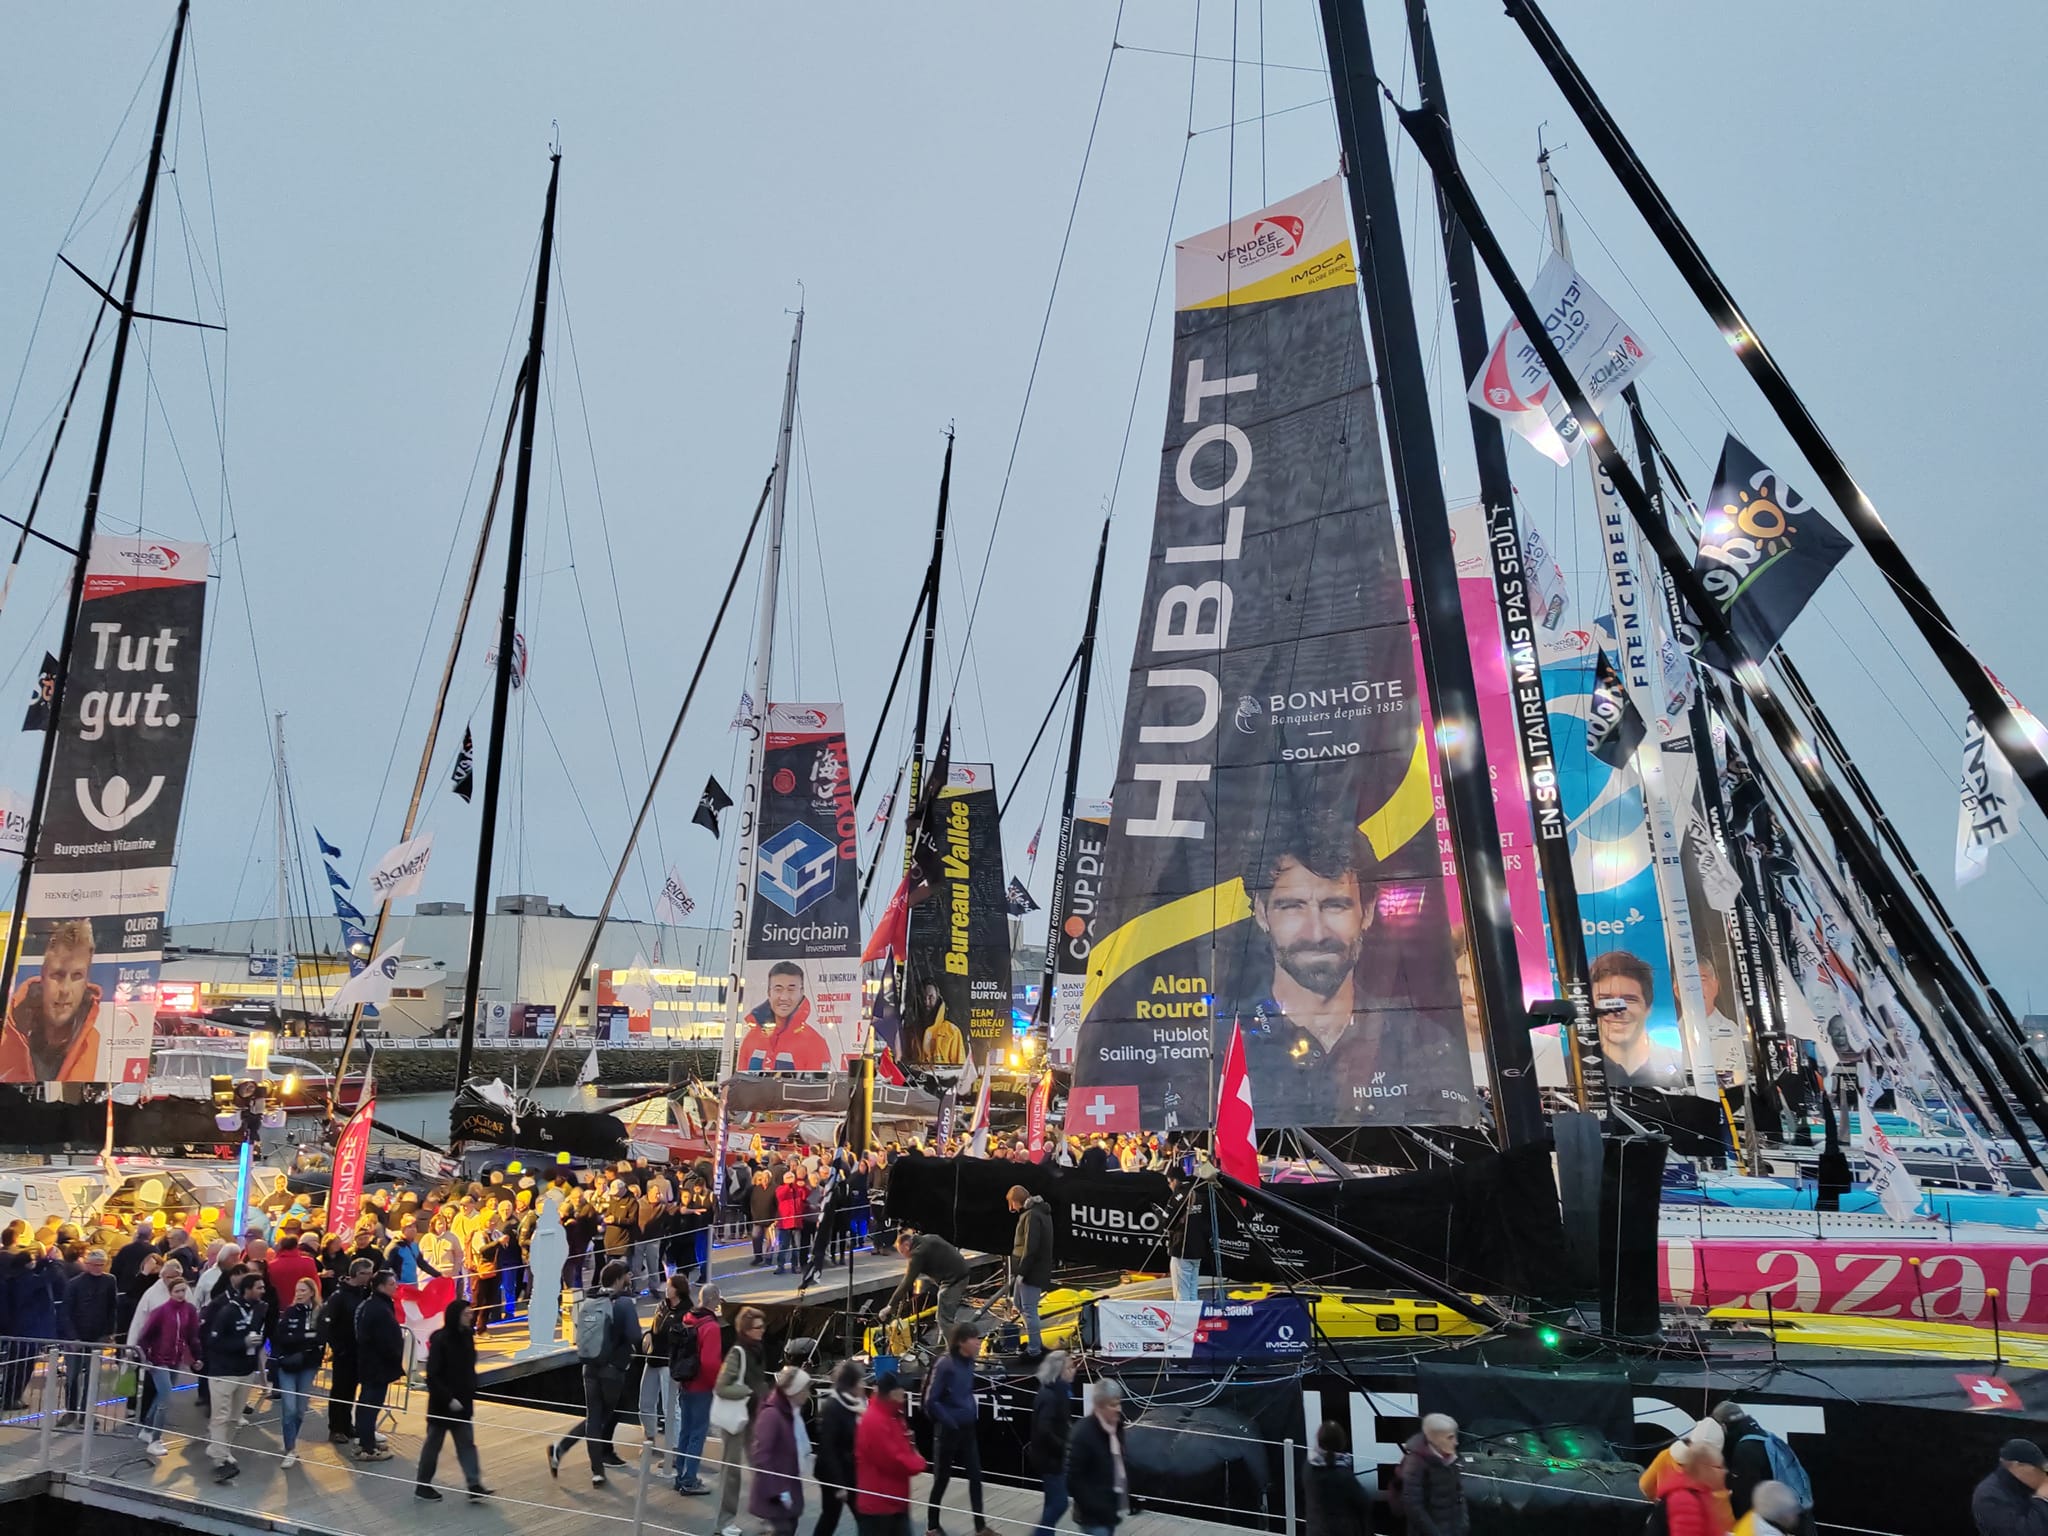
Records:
x=956, y=1000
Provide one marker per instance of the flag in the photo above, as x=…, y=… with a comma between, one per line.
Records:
x=977, y=1127
x=38, y=716
x=1031, y=848
x=709, y=804
x=587, y=1073
x=1763, y=552
x=420, y=1307
x=346, y=909
x=928, y=854
x=355, y=939
x=401, y=871
x=637, y=994
x=518, y=663
x=327, y=849
x=334, y=879
x=886, y=1069
x=1237, y=1138
x=1884, y=1174
x=370, y=987
x=1018, y=899
x=1614, y=726
x=1991, y=811
x=892, y=928
x=676, y=903
x=463, y=781
x=882, y=811
x=1035, y=1110
x=743, y=717
x=351, y=1155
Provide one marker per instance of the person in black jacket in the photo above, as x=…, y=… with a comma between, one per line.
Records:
x=839, y=1412
x=338, y=1322
x=1052, y=1421
x=90, y=1315
x=380, y=1360
x=451, y=1404
x=1098, y=1479
x=1432, y=1491
x=1337, y=1505
x=2012, y=1500
x=1031, y=1260
x=233, y=1340
x=297, y=1346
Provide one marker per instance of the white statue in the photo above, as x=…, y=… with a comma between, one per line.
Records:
x=550, y=1251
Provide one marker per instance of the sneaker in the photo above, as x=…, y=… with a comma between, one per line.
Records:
x=339, y=1437
x=156, y=1450
x=478, y=1493
x=597, y=1480
x=291, y=1459
x=694, y=1489
x=227, y=1472
x=379, y=1454
x=732, y=1530
x=554, y=1462
x=428, y=1492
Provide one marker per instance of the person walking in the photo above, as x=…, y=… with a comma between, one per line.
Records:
x=89, y=1318
x=885, y=1459
x=832, y=1461
x=1098, y=1476
x=606, y=1328
x=1031, y=1260
x=777, y=1497
x=657, y=1377
x=949, y=1400
x=451, y=1405
x=743, y=1378
x=298, y=1344
x=1052, y=1421
x=1690, y=1491
x=1707, y=1432
x=2012, y=1499
x=1775, y=1509
x=694, y=1359
x=761, y=1213
x=380, y=1361
x=169, y=1343
x=1432, y=1492
x=233, y=1340
x=1754, y=1456
x=1336, y=1504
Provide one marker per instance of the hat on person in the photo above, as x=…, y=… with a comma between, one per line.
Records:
x=792, y=1380
x=2023, y=1453
x=1707, y=1432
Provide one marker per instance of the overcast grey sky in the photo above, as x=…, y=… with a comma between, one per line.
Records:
x=366, y=201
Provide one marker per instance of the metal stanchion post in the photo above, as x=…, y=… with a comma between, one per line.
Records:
x=646, y=1476
x=46, y=1430
x=1287, y=1481
x=92, y=1410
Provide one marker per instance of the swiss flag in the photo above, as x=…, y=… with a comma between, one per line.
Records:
x=1988, y=1393
x=1104, y=1109
x=890, y=931
x=1237, y=1140
x=420, y=1307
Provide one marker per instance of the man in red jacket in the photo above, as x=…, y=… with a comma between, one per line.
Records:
x=885, y=1459
x=289, y=1264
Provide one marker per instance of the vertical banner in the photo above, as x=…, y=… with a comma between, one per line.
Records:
x=956, y=1007
x=803, y=943
x=84, y=1003
x=1035, y=1109
x=351, y=1157
x=1072, y=934
x=1270, y=860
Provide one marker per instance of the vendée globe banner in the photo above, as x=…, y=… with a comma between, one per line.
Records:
x=1269, y=860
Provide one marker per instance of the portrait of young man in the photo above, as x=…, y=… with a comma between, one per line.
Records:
x=780, y=1036
x=52, y=1030
x=1622, y=995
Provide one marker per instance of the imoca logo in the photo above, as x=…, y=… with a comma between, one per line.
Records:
x=797, y=868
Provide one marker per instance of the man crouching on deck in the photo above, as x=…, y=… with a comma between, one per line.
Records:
x=51, y=1035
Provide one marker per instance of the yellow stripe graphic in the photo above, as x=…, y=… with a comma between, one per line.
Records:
x=1410, y=808
x=1329, y=269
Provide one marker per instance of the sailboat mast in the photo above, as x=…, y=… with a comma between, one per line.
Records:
x=508, y=628
x=90, y=521
x=1425, y=531
x=1512, y=591
x=281, y=931
x=757, y=706
x=1058, y=902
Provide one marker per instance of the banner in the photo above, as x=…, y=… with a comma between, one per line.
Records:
x=1162, y=1330
x=1269, y=862
x=402, y=871
x=84, y=1003
x=1763, y=552
x=1990, y=812
x=351, y=1157
x=1073, y=926
x=956, y=1006
x=1602, y=351
x=1274, y=1328
x=1932, y=1279
x=1036, y=1104
x=803, y=935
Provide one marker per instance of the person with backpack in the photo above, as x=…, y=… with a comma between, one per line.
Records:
x=1336, y=1503
x=606, y=1326
x=1755, y=1456
x=380, y=1361
x=451, y=1405
x=695, y=1354
x=1432, y=1491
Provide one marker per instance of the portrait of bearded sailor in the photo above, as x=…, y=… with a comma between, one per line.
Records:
x=944, y=1045
x=779, y=1035
x=52, y=1032
x=1355, y=1025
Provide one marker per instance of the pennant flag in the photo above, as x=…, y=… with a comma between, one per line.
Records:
x=351, y=1157
x=709, y=804
x=886, y=1069
x=370, y=987
x=1884, y=1173
x=334, y=880
x=1763, y=552
x=346, y=909
x=676, y=903
x=882, y=811
x=1035, y=1110
x=38, y=716
x=928, y=854
x=356, y=940
x=463, y=781
x=1546, y=580
x=977, y=1128
x=891, y=928
x=1031, y=848
x=1991, y=809
x=1603, y=352
x=587, y=1073
x=1018, y=899
x=401, y=871
x=1614, y=726
x=327, y=849
x=1237, y=1139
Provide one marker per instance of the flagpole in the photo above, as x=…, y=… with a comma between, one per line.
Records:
x=1058, y=902
x=675, y=732
x=764, y=646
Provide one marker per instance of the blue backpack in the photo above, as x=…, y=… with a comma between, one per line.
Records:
x=1785, y=1467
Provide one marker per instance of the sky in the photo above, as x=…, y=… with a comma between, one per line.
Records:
x=358, y=198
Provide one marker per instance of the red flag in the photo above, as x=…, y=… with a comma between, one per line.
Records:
x=351, y=1154
x=892, y=929
x=420, y=1307
x=886, y=1070
x=1237, y=1141
x=1035, y=1109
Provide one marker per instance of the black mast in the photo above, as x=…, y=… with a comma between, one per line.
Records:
x=1512, y=594
x=1915, y=937
x=508, y=618
x=122, y=331
x=1425, y=530
x=1073, y=786
x=1964, y=670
